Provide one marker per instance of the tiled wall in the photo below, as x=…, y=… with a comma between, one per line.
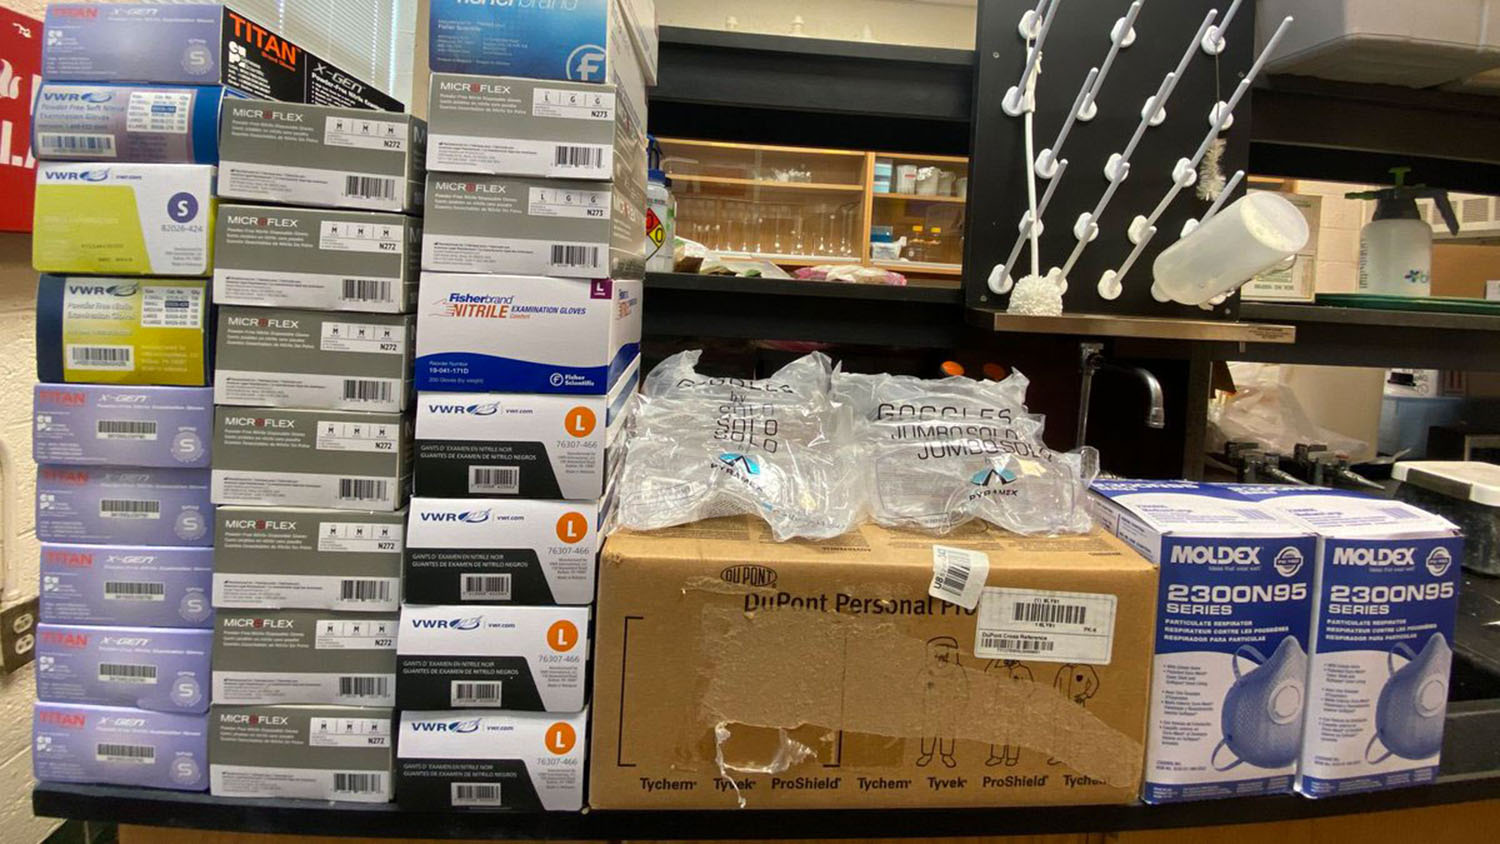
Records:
x=1338, y=235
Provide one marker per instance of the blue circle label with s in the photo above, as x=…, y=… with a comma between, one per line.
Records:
x=182, y=207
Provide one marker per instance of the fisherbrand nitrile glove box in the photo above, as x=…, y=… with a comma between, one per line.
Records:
x=123, y=506
x=526, y=334
x=532, y=659
x=304, y=656
x=135, y=586
x=113, y=745
x=124, y=219
x=140, y=331
x=322, y=156
x=524, y=226
x=92, y=425
x=515, y=761
x=293, y=558
x=313, y=359
x=270, y=457
x=154, y=668
x=158, y=124
x=301, y=752
x=544, y=40
x=478, y=551
x=317, y=259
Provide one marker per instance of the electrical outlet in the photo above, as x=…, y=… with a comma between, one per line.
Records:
x=18, y=634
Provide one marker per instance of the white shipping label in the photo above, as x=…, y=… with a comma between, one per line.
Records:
x=364, y=133
x=958, y=575
x=172, y=307
x=363, y=338
x=571, y=104
x=340, y=236
x=568, y=202
x=365, y=634
x=359, y=538
x=357, y=436
x=163, y=112
x=1045, y=626
x=349, y=732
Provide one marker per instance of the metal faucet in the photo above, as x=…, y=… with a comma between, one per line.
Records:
x=1091, y=360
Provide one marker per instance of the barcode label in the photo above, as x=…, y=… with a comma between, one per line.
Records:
x=121, y=358
x=479, y=587
x=958, y=575
x=476, y=794
x=1039, y=612
x=361, y=389
x=564, y=255
x=1040, y=624
x=358, y=783
x=364, y=687
x=56, y=142
x=130, y=590
x=125, y=429
x=468, y=693
x=570, y=156
x=495, y=480
x=129, y=508
x=120, y=672
x=370, y=187
x=366, y=290
x=1000, y=642
x=359, y=489
x=365, y=590
x=140, y=754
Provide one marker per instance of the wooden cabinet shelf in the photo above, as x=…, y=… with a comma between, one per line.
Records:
x=762, y=183
x=916, y=197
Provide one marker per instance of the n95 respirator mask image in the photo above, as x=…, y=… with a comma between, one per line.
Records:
x=1413, y=703
x=1262, y=714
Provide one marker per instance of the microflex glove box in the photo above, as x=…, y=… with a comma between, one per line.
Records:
x=478, y=551
x=582, y=40
x=532, y=659
x=316, y=259
x=304, y=656
x=292, y=558
x=122, y=331
x=192, y=44
x=526, y=334
x=313, y=359
x=112, y=745
x=127, y=585
x=515, y=761
x=505, y=125
x=124, y=219
x=83, y=425
x=154, y=668
x=335, y=753
x=268, y=457
x=158, y=124
x=1229, y=685
x=520, y=445
x=115, y=506
x=321, y=155
x=1385, y=606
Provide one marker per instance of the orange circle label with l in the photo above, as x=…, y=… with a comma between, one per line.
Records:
x=572, y=528
x=561, y=737
x=580, y=422
x=562, y=636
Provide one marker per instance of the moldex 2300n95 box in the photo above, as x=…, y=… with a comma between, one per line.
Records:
x=321, y=155
x=127, y=585
x=313, y=359
x=533, y=659
x=122, y=331
x=158, y=124
x=124, y=219
x=303, y=656
x=518, y=761
x=153, y=668
x=112, y=745
x=269, y=457
x=526, y=334
x=582, y=40
x=1229, y=684
x=113, y=506
x=91, y=425
x=301, y=752
x=316, y=259
x=294, y=558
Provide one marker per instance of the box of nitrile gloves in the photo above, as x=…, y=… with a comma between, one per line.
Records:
x=478, y=551
x=270, y=457
x=89, y=425
x=114, y=506
x=114, y=745
x=520, y=445
x=124, y=219
x=126, y=585
x=579, y=39
x=313, y=359
x=304, y=656
x=159, y=124
x=516, y=761
x=154, y=668
x=533, y=659
x=321, y=155
x=317, y=259
x=294, y=558
x=93, y=330
x=532, y=226
x=338, y=753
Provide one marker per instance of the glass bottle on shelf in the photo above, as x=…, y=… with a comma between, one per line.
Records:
x=937, y=247
x=916, y=245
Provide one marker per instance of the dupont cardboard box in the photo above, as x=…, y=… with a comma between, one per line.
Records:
x=340, y=753
x=193, y=44
x=158, y=124
x=321, y=155
x=270, y=357
x=114, y=745
x=294, y=558
x=582, y=40
x=93, y=330
x=832, y=675
x=316, y=259
x=304, y=657
x=516, y=761
x=97, y=425
x=124, y=219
